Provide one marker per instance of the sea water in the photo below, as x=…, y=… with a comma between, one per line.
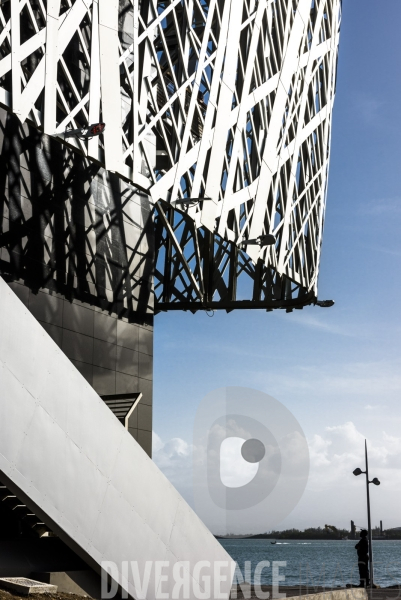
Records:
x=328, y=563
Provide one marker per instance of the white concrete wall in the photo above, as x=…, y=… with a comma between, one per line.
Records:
x=62, y=447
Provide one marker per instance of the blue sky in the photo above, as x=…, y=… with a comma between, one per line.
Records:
x=338, y=370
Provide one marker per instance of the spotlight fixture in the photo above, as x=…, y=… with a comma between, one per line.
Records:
x=188, y=201
x=84, y=133
x=267, y=239
x=325, y=304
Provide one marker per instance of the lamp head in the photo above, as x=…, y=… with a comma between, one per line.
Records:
x=97, y=128
x=375, y=481
x=358, y=471
x=325, y=303
x=267, y=240
x=188, y=201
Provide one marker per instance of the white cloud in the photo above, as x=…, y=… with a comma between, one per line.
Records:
x=336, y=453
x=382, y=206
x=174, y=459
x=334, y=495
x=332, y=491
x=362, y=381
x=157, y=443
x=318, y=323
x=368, y=108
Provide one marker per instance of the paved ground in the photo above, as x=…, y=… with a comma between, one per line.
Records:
x=393, y=593
x=5, y=595
x=383, y=593
x=291, y=592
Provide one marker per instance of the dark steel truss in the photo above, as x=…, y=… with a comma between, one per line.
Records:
x=199, y=270
x=225, y=100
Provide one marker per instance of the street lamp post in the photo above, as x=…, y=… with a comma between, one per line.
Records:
x=375, y=481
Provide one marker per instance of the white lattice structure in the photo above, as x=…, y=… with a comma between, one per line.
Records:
x=223, y=99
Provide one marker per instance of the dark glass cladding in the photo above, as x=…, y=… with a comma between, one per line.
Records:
x=76, y=246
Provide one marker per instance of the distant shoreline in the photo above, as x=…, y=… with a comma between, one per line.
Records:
x=328, y=532
x=309, y=539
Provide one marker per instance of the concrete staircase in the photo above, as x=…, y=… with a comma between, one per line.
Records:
x=65, y=455
x=29, y=522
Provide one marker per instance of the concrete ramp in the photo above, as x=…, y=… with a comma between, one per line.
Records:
x=64, y=453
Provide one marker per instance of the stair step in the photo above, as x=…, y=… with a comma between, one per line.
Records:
x=5, y=493
x=31, y=520
x=11, y=501
x=20, y=506
x=40, y=529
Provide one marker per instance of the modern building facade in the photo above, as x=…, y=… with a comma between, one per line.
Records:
x=229, y=105
x=226, y=103
x=77, y=249
x=205, y=190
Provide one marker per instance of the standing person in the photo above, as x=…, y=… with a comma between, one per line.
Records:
x=362, y=548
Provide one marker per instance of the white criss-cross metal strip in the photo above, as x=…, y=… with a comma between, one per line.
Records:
x=227, y=100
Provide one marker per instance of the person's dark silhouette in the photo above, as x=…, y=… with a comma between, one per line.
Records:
x=362, y=548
